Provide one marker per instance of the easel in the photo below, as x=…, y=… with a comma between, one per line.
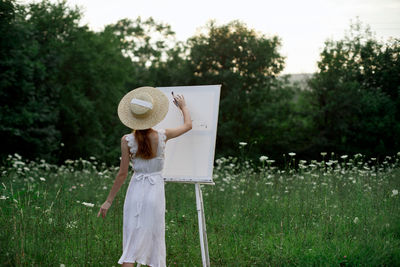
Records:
x=205, y=257
x=202, y=226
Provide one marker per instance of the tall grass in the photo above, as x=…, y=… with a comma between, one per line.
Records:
x=337, y=212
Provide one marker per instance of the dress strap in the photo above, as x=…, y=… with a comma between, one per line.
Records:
x=131, y=143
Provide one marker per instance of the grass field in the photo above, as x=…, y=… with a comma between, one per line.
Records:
x=339, y=212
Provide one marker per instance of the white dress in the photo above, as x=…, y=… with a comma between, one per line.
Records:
x=144, y=209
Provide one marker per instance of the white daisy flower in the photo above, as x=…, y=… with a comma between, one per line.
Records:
x=91, y=205
x=395, y=192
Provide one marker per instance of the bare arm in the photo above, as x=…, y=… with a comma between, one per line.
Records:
x=119, y=179
x=123, y=170
x=187, y=121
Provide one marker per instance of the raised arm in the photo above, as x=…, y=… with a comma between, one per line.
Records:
x=187, y=121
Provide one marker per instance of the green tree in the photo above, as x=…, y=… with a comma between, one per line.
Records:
x=30, y=53
x=153, y=49
x=246, y=63
x=94, y=75
x=355, y=94
x=61, y=83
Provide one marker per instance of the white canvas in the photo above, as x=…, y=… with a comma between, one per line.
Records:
x=190, y=157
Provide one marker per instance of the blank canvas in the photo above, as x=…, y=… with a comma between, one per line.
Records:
x=190, y=157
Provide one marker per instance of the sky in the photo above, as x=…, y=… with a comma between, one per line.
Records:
x=303, y=26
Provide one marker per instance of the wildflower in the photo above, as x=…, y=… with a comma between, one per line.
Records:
x=292, y=154
x=105, y=187
x=263, y=158
x=42, y=179
x=323, y=154
x=356, y=220
x=62, y=144
x=344, y=157
x=3, y=197
x=72, y=224
x=62, y=265
x=257, y=194
x=92, y=158
x=270, y=161
x=16, y=163
x=242, y=143
x=395, y=192
x=91, y=205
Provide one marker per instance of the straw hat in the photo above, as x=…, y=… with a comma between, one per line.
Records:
x=143, y=107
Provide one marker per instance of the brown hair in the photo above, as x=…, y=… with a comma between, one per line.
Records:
x=144, y=145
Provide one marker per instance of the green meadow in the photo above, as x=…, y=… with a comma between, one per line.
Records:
x=341, y=211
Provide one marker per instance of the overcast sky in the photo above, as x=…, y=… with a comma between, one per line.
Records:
x=303, y=26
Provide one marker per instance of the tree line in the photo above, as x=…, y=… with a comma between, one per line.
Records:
x=60, y=84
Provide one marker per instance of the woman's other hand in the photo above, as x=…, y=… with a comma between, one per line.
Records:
x=104, y=208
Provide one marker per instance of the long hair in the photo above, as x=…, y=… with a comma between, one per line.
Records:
x=144, y=145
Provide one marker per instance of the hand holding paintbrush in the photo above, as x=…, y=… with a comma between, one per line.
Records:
x=179, y=101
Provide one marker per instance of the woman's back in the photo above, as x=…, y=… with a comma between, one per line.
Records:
x=155, y=164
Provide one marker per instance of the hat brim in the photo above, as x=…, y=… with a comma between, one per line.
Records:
x=152, y=118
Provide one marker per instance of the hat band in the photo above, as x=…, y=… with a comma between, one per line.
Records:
x=142, y=103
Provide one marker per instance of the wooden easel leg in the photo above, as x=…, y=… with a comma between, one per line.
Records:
x=202, y=227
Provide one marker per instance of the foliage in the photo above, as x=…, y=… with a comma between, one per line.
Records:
x=28, y=88
x=60, y=84
x=355, y=95
x=246, y=64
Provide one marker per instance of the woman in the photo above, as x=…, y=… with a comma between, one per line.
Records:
x=144, y=206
